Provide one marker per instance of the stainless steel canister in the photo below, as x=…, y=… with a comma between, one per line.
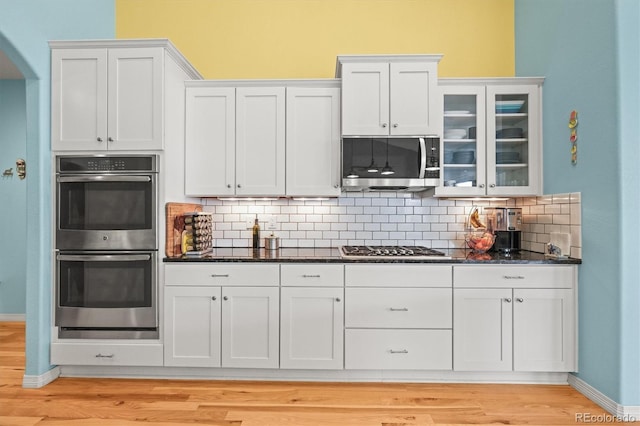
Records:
x=271, y=242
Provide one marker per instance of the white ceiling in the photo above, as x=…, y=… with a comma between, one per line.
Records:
x=8, y=70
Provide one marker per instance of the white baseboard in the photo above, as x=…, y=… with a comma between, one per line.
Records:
x=34, y=382
x=621, y=412
x=12, y=318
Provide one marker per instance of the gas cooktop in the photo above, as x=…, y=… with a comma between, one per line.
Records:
x=391, y=252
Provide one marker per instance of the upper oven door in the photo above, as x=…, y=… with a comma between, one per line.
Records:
x=106, y=212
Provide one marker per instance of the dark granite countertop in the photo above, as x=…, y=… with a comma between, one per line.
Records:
x=332, y=255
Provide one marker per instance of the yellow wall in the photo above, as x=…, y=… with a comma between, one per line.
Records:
x=301, y=38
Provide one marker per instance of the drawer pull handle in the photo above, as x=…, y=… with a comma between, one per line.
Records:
x=399, y=309
x=219, y=275
x=310, y=276
x=104, y=356
x=513, y=277
x=402, y=351
x=519, y=300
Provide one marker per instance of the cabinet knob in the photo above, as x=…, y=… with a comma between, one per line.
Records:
x=481, y=185
x=110, y=139
x=519, y=300
x=337, y=299
x=384, y=124
x=228, y=185
x=214, y=298
x=336, y=186
x=507, y=299
x=225, y=298
x=395, y=124
x=99, y=139
x=239, y=186
x=493, y=185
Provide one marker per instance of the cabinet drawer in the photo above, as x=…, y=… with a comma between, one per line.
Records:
x=397, y=275
x=222, y=274
x=147, y=354
x=310, y=274
x=398, y=349
x=521, y=276
x=398, y=308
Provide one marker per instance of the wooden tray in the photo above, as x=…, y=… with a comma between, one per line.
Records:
x=175, y=226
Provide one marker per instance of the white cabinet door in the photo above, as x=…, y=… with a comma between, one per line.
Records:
x=464, y=132
x=210, y=141
x=135, y=98
x=311, y=335
x=544, y=330
x=260, y=141
x=250, y=327
x=482, y=329
x=413, y=99
x=365, y=99
x=107, y=99
x=79, y=99
x=192, y=326
x=313, y=141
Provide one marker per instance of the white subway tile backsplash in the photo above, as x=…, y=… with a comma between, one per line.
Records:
x=388, y=218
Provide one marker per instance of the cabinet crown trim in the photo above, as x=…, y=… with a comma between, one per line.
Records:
x=342, y=59
x=164, y=43
x=326, y=82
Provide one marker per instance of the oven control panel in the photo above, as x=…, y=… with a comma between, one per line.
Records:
x=106, y=164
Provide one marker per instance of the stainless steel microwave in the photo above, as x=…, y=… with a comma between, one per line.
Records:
x=390, y=163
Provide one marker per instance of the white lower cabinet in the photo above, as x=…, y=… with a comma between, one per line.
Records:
x=514, y=328
x=311, y=328
x=221, y=314
x=398, y=317
x=398, y=349
x=250, y=327
x=105, y=353
x=192, y=319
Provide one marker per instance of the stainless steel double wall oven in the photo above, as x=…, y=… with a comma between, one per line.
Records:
x=106, y=246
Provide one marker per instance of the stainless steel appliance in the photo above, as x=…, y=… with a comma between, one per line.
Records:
x=106, y=202
x=107, y=294
x=506, y=223
x=390, y=163
x=391, y=252
x=107, y=246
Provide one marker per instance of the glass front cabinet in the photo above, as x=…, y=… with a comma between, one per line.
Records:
x=492, y=137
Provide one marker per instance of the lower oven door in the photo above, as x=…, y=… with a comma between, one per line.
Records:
x=108, y=290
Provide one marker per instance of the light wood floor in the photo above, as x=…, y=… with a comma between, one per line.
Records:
x=132, y=402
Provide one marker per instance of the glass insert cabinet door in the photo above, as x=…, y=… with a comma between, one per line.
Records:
x=464, y=141
x=491, y=137
x=513, y=140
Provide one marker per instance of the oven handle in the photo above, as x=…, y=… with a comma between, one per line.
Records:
x=104, y=257
x=104, y=178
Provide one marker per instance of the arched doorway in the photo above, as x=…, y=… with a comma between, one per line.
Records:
x=13, y=191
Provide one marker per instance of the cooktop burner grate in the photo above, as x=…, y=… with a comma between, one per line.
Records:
x=417, y=252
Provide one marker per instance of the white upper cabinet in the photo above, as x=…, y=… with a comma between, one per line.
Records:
x=389, y=95
x=313, y=141
x=262, y=138
x=210, y=141
x=235, y=140
x=492, y=138
x=260, y=141
x=110, y=95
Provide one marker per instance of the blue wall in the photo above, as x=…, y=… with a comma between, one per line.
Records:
x=26, y=26
x=575, y=45
x=13, y=193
